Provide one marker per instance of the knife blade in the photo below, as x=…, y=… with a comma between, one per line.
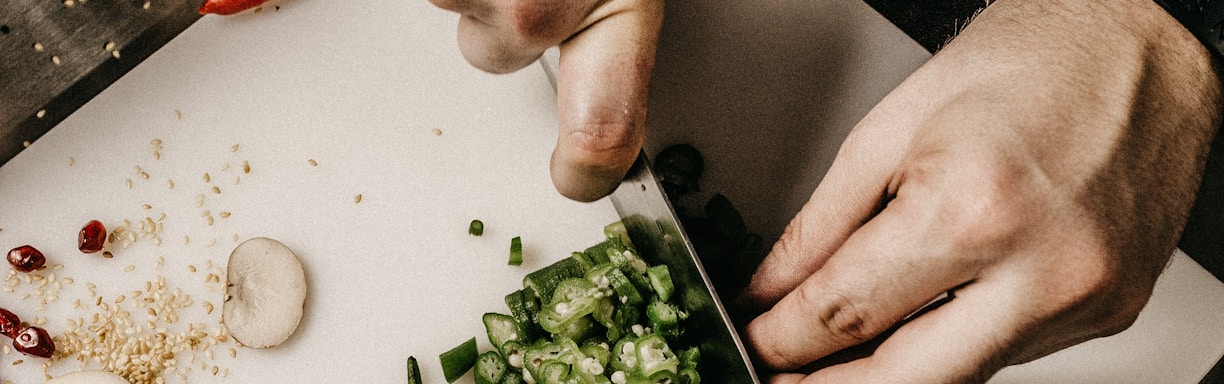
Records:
x=658, y=235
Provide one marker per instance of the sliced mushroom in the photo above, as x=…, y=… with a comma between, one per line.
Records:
x=89, y=377
x=265, y=295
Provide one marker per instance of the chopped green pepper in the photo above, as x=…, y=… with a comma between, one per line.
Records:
x=661, y=281
x=512, y=377
x=502, y=328
x=526, y=311
x=414, y=371
x=665, y=319
x=544, y=280
x=458, y=360
x=654, y=356
x=516, y=251
x=476, y=228
x=490, y=368
x=624, y=288
x=606, y=287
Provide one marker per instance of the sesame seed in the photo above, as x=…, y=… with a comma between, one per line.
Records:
x=55, y=59
x=357, y=199
x=224, y=215
x=147, y=4
x=234, y=148
x=110, y=45
x=313, y=163
x=216, y=190
x=38, y=47
x=246, y=167
x=18, y=361
x=207, y=178
x=437, y=132
x=115, y=54
x=178, y=115
x=129, y=268
x=41, y=113
x=170, y=183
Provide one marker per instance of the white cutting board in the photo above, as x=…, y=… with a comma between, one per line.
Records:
x=359, y=87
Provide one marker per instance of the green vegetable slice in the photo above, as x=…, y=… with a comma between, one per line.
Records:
x=476, y=228
x=414, y=371
x=617, y=231
x=458, y=360
x=661, y=281
x=665, y=319
x=545, y=280
x=624, y=288
x=512, y=377
x=490, y=368
x=516, y=251
x=526, y=312
x=654, y=356
x=502, y=328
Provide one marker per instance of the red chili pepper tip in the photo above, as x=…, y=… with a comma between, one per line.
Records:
x=228, y=7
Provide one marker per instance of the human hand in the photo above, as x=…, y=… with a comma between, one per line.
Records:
x=607, y=55
x=1041, y=167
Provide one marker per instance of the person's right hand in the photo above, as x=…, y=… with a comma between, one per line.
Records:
x=607, y=55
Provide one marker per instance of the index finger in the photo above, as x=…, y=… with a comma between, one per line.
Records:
x=602, y=88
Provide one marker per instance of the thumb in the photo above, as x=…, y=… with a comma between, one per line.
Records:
x=603, y=82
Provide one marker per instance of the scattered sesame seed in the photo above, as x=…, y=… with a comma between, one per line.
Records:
x=178, y=114
x=110, y=45
x=18, y=361
x=313, y=163
x=71, y=161
x=147, y=4
x=224, y=214
x=55, y=59
x=115, y=54
x=38, y=47
x=207, y=178
x=26, y=144
x=216, y=190
x=437, y=132
x=129, y=268
x=357, y=199
x=234, y=148
x=41, y=113
x=246, y=167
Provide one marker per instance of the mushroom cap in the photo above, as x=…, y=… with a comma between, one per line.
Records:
x=266, y=292
x=89, y=377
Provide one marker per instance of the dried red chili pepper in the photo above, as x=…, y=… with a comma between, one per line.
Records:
x=228, y=7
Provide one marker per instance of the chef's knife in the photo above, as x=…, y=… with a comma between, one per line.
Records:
x=656, y=232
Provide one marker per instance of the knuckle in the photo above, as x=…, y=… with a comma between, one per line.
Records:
x=847, y=322
x=606, y=142
x=537, y=22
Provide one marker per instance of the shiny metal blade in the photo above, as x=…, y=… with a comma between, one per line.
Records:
x=657, y=234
